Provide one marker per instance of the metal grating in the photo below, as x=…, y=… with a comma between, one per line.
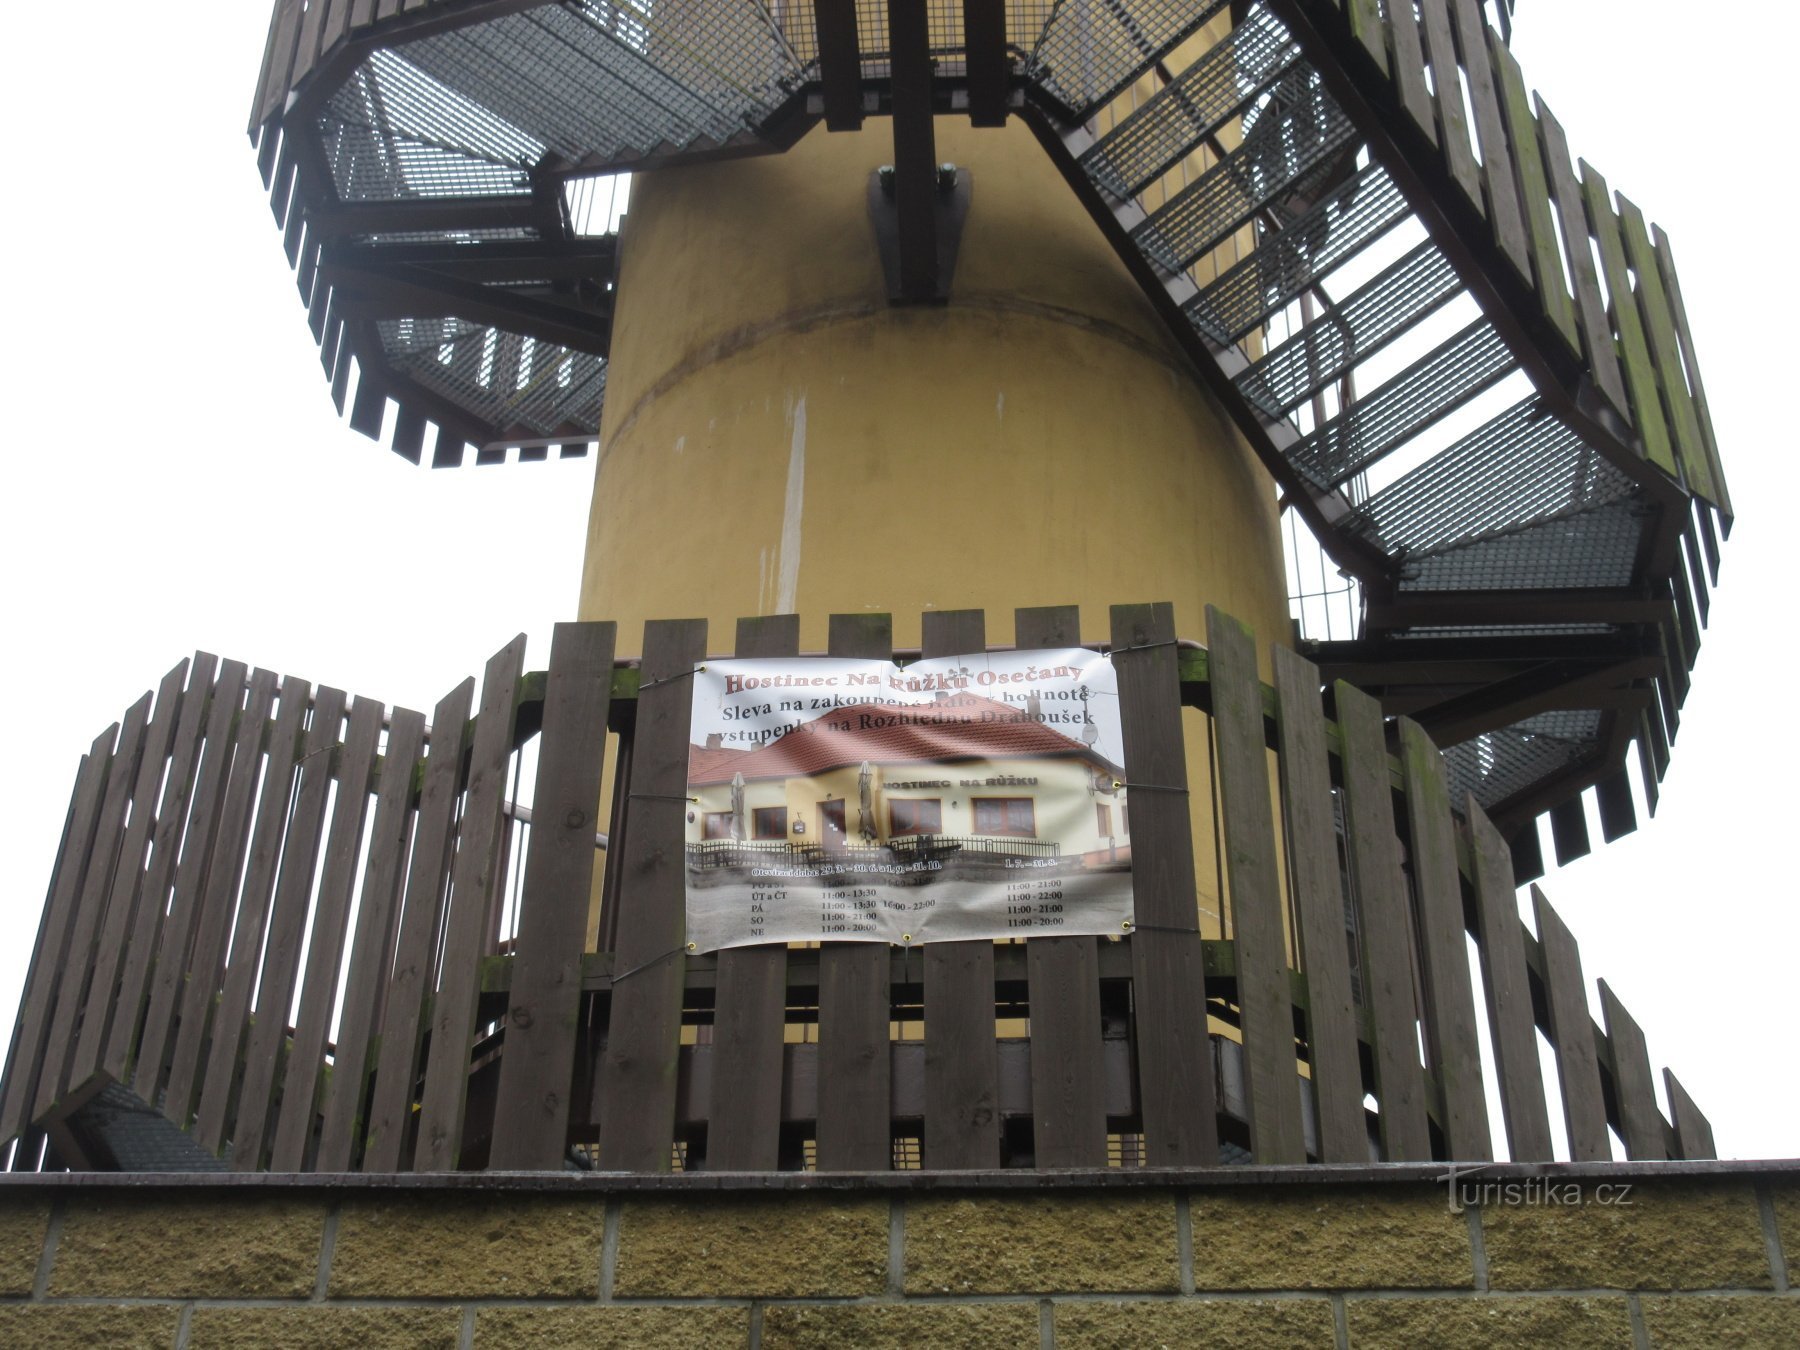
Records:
x=1425, y=391
x=1597, y=548
x=1091, y=50
x=514, y=383
x=1280, y=150
x=1192, y=108
x=1499, y=764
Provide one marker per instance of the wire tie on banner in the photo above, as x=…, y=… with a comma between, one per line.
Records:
x=669, y=679
x=1152, y=787
x=653, y=961
x=1145, y=646
x=659, y=797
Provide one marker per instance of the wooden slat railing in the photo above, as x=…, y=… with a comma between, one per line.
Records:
x=470, y=1033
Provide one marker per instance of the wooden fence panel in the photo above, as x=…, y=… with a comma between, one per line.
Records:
x=1068, y=1088
x=1572, y=1032
x=1385, y=925
x=637, y=1075
x=855, y=1060
x=96, y=888
x=372, y=950
x=171, y=961
x=415, y=955
x=1693, y=1132
x=1453, y=121
x=1534, y=192
x=743, y=1133
x=1721, y=496
x=128, y=878
x=232, y=1018
x=1313, y=874
x=325, y=945
x=159, y=875
x=1665, y=350
x=1504, y=213
x=1451, y=1038
x=531, y=1125
x=962, y=1064
x=1511, y=1021
x=474, y=877
x=1634, y=1085
x=287, y=931
x=1409, y=70
x=1263, y=991
x=1175, y=1060
x=231, y=845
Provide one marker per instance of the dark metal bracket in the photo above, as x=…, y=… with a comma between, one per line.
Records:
x=949, y=209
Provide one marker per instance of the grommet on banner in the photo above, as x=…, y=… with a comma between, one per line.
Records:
x=1126, y=925
x=693, y=946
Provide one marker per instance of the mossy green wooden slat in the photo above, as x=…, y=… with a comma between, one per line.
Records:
x=287, y=933
x=231, y=1019
x=638, y=1073
x=1512, y=1025
x=1634, y=1086
x=1409, y=69
x=855, y=1061
x=1453, y=121
x=1634, y=352
x=1452, y=1040
x=1504, y=214
x=1369, y=29
x=1665, y=266
x=1068, y=1088
x=1385, y=924
x=743, y=1133
x=1693, y=1132
x=415, y=952
x=1313, y=876
x=1534, y=194
x=962, y=1066
x=1264, y=1000
x=1572, y=1032
x=1175, y=1061
x=1596, y=328
x=371, y=951
x=1665, y=350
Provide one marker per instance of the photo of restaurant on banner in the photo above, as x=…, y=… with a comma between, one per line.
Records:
x=962, y=797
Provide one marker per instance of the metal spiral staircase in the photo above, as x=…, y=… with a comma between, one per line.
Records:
x=1466, y=363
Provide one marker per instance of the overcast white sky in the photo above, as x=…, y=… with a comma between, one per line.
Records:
x=180, y=480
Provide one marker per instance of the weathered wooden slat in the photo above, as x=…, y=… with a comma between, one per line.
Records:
x=325, y=943
x=170, y=963
x=1385, y=926
x=962, y=1066
x=1693, y=1132
x=26, y=1054
x=1634, y=1085
x=750, y=1005
x=854, y=1132
x=90, y=908
x=1306, y=811
x=1720, y=496
x=1640, y=375
x=1068, y=1090
x=287, y=930
x=1534, y=195
x=1265, y=1003
x=1175, y=1063
x=1451, y=1035
x=1453, y=121
x=284, y=38
x=337, y=25
x=1504, y=213
x=1665, y=350
x=1568, y=831
x=1596, y=327
x=473, y=878
x=232, y=1015
x=1409, y=70
x=306, y=49
x=371, y=951
x=637, y=1074
x=1511, y=1025
x=1572, y=1032
x=415, y=955
x=231, y=845
x=128, y=877
x=537, y=1070
x=1618, y=814
x=159, y=874
x=1367, y=28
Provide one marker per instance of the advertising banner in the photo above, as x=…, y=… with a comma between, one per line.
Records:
x=959, y=797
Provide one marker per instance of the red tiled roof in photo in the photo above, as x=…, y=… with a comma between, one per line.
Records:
x=963, y=726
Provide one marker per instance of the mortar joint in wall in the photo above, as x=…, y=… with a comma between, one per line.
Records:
x=327, y=1249
x=1477, y=1247
x=184, y=1326
x=40, y=1280
x=1184, y=1241
x=756, y=1326
x=609, y=1248
x=1765, y=1208
x=1340, y=1322
x=1046, y=1325
x=465, y=1338
x=896, y=1262
x=1640, y=1335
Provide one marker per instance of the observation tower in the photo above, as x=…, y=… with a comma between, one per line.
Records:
x=925, y=330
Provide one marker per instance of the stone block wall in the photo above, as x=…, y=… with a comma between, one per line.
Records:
x=1631, y=1256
